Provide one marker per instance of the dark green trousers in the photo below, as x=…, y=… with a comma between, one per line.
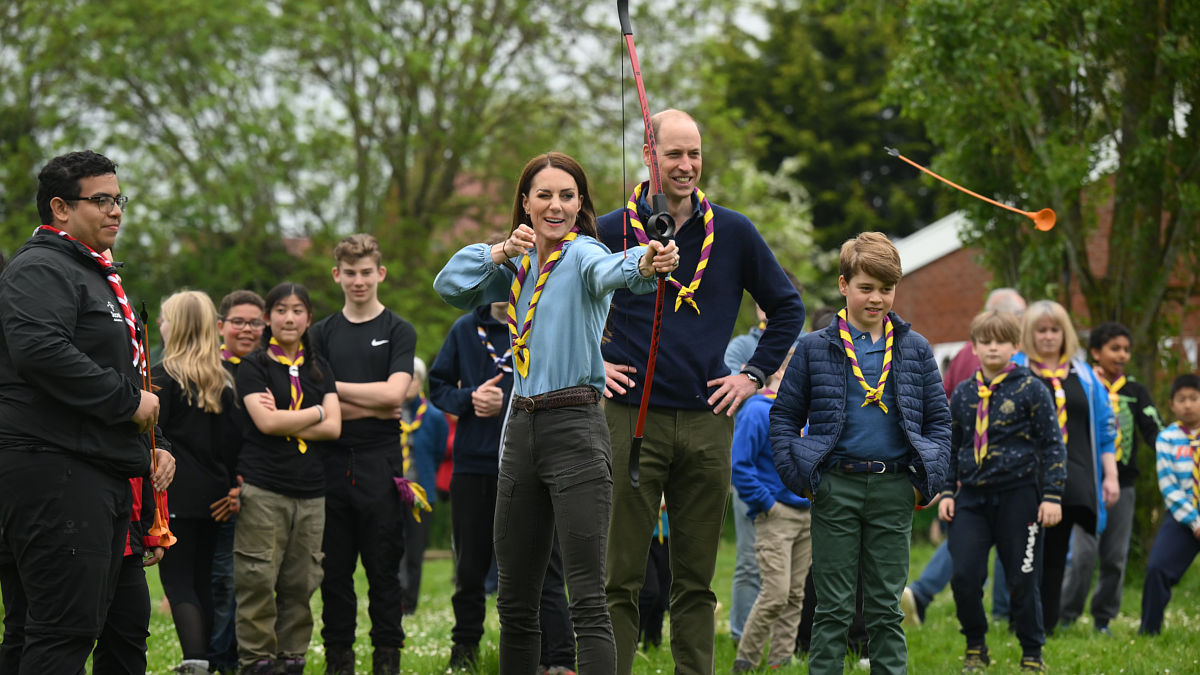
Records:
x=686, y=456
x=860, y=518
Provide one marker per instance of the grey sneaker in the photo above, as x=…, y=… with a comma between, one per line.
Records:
x=742, y=666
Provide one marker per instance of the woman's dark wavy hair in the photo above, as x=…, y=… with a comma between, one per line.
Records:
x=274, y=297
x=586, y=220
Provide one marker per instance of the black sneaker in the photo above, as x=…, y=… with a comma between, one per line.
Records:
x=1032, y=664
x=259, y=667
x=385, y=661
x=293, y=665
x=976, y=660
x=339, y=661
x=463, y=657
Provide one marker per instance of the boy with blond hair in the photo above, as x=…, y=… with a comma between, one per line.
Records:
x=1005, y=484
x=869, y=388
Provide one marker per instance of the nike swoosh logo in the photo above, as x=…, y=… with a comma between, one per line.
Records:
x=376, y=343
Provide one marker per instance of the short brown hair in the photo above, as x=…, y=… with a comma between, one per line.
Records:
x=356, y=247
x=995, y=325
x=871, y=253
x=240, y=297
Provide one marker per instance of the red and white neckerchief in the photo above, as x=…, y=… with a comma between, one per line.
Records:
x=114, y=282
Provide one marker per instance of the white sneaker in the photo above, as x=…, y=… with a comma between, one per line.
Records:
x=908, y=605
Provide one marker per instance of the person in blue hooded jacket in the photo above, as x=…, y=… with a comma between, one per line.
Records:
x=878, y=429
x=1049, y=345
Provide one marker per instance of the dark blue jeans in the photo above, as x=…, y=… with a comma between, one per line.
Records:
x=1174, y=549
x=222, y=646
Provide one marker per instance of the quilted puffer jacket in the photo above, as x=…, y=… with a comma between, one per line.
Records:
x=814, y=391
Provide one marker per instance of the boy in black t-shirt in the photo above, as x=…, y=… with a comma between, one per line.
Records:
x=1005, y=485
x=1109, y=346
x=371, y=350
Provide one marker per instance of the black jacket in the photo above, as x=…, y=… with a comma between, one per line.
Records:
x=67, y=379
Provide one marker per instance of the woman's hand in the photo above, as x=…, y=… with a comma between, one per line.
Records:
x=659, y=259
x=520, y=241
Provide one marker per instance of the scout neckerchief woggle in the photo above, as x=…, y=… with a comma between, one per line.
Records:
x=520, y=338
x=502, y=363
x=411, y=492
x=873, y=394
x=660, y=227
x=686, y=293
x=161, y=526
x=296, y=392
x=985, y=391
x=1056, y=375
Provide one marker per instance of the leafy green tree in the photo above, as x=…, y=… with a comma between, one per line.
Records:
x=1082, y=107
x=811, y=91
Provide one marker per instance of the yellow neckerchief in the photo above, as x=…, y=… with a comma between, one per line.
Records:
x=1114, y=400
x=1056, y=376
x=297, y=394
x=874, y=394
x=985, y=391
x=406, y=432
x=520, y=340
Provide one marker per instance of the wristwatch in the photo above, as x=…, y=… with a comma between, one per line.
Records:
x=754, y=377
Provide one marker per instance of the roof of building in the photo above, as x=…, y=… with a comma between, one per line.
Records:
x=936, y=240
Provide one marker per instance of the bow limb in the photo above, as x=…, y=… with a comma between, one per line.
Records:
x=659, y=226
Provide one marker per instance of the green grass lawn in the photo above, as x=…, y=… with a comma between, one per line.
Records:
x=934, y=648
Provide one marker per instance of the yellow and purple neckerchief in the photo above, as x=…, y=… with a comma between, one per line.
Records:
x=520, y=339
x=873, y=394
x=114, y=282
x=1056, y=376
x=1193, y=436
x=411, y=492
x=407, y=429
x=297, y=394
x=229, y=356
x=501, y=362
x=985, y=391
x=1114, y=400
x=686, y=293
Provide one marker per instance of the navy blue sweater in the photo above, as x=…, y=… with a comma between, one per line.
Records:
x=814, y=391
x=692, y=347
x=461, y=366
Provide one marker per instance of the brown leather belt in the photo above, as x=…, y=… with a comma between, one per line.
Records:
x=559, y=398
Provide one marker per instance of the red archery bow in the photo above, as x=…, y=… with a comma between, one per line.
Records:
x=659, y=226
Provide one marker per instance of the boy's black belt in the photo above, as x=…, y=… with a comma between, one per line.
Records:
x=559, y=398
x=871, y=466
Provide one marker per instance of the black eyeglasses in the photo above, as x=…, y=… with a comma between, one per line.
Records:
x=240, y=323
x=103, y=202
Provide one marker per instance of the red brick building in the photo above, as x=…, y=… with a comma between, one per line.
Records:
x=944, y=286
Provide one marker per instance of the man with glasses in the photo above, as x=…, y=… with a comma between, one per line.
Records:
x=240, y=324
x=72, y=408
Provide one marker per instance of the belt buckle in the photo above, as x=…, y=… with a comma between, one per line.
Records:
x=882, y=466
x=527, y=404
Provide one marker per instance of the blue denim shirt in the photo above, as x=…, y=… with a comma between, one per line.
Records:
x=564, y=343
x=868, y=433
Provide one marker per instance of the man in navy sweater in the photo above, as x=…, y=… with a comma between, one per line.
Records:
x=689, y=426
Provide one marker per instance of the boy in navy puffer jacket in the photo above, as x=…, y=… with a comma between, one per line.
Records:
x=879, y=429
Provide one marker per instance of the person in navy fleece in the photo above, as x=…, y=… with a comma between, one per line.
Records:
x=686, y=451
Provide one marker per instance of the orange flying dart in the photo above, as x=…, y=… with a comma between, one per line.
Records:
x=1043, y=220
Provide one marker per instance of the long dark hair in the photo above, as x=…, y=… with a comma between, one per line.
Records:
x=274, y=297
x=586, y=218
